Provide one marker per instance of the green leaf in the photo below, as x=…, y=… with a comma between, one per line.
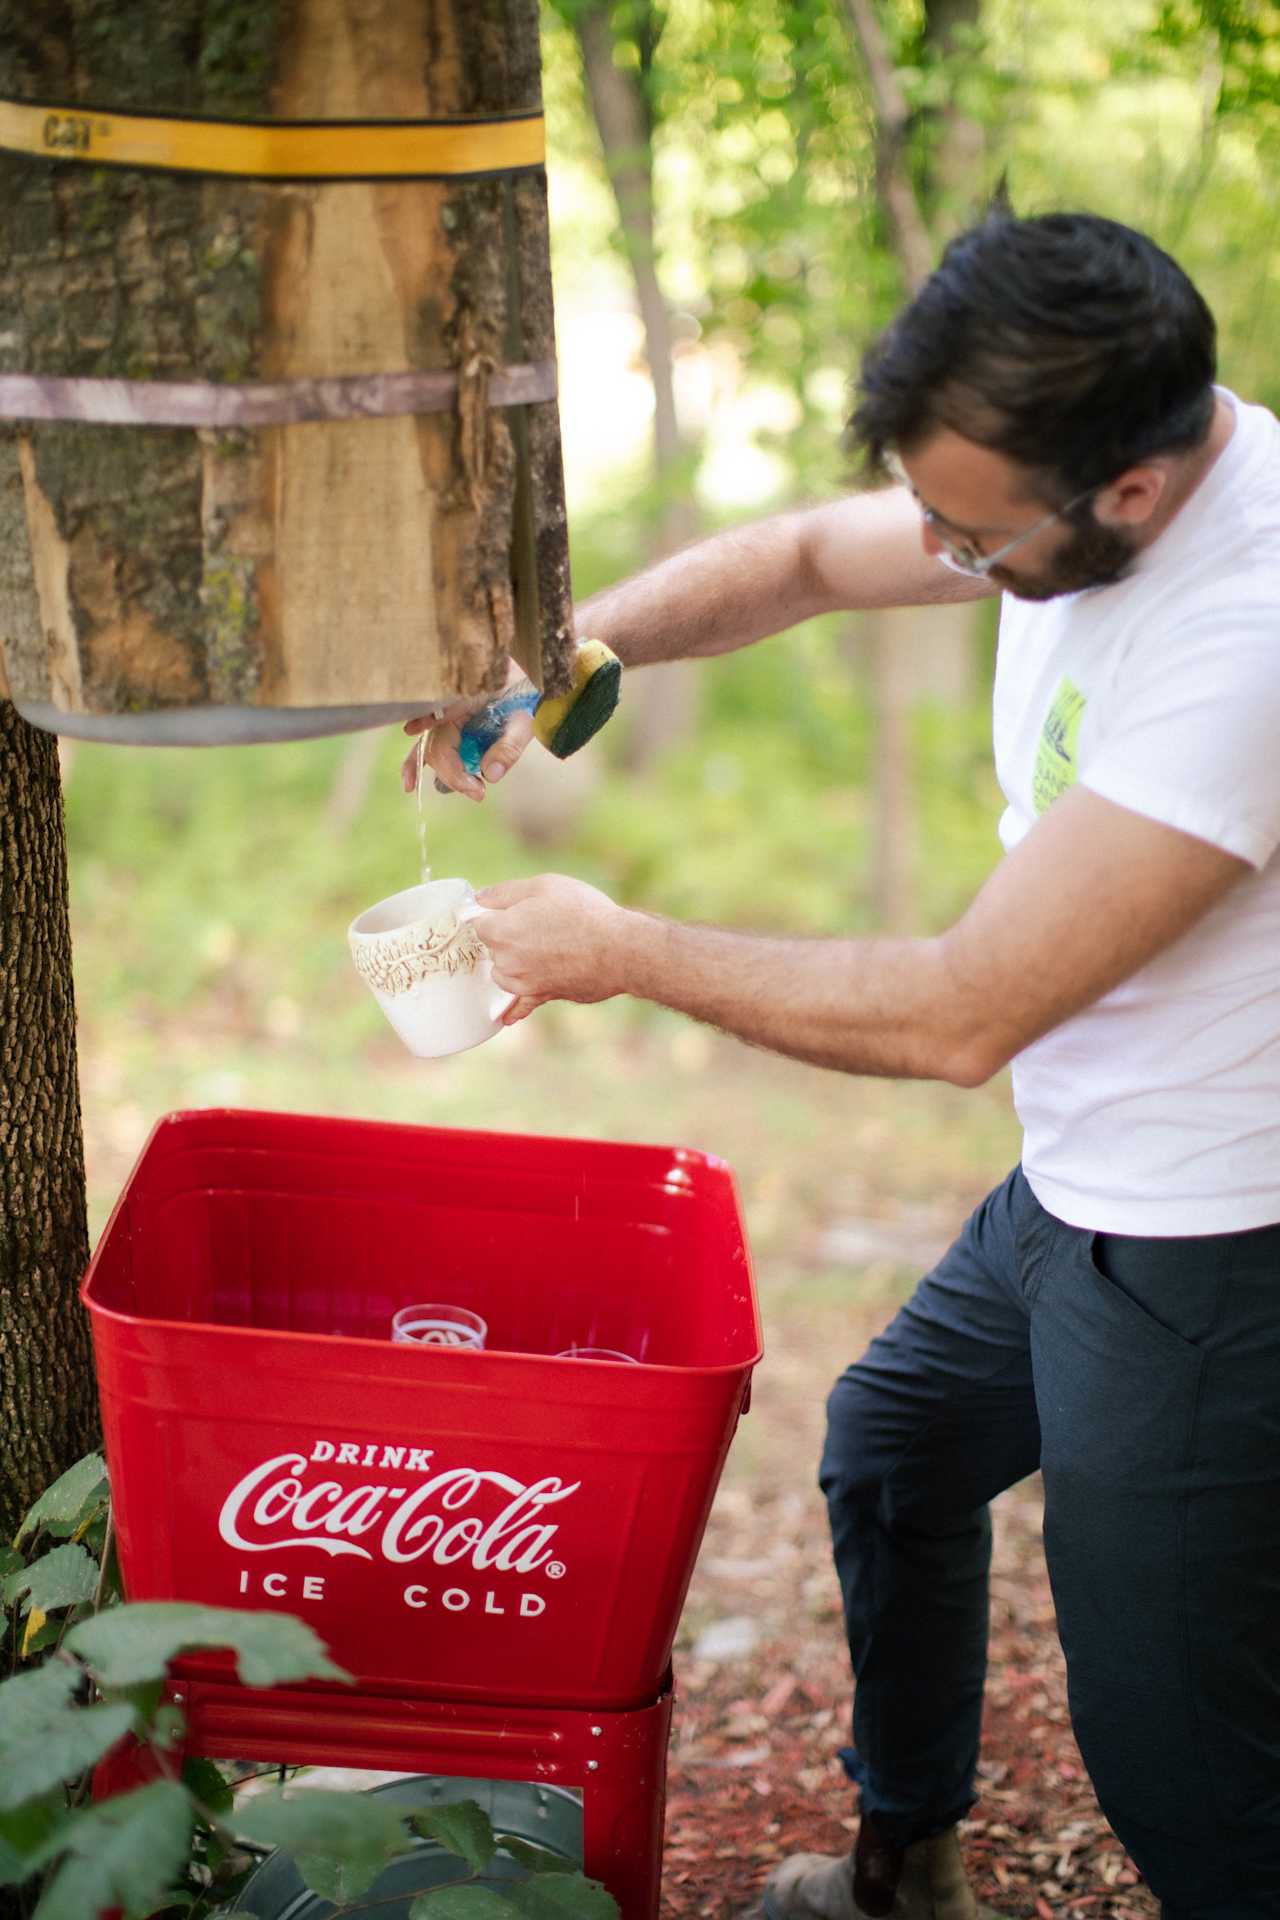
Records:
x=63, y=1578
x=27, y=1694
x=461, y=1903
x=137, y=1641
x=67, y=1498
x=167, y=1729
x=206, y=1781
x=462, y=1828
x=10, y=1561
x=124, y=1853
x=25, y=1832
x=44, y=1738
x=92, y=1534
x=553, y=1896
x=145, y=1699
x=339, y=1842
x=92, y=1514
x=527, y=1853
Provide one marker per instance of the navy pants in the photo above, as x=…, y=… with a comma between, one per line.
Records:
x=1143, y=1377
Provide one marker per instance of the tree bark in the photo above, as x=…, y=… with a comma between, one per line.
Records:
x=326, y=563
x=48, y=1402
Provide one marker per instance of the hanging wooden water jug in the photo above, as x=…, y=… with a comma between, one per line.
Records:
x=279, y=446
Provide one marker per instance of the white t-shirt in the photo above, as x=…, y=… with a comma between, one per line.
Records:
x=1156, y=1111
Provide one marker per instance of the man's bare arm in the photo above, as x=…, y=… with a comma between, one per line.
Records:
x=1092, y=894
x=859, y=552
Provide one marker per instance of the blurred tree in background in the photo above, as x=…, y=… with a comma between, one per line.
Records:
x=617, y=44
x=794, y=166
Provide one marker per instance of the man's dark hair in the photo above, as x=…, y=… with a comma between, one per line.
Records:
x=1069, y=343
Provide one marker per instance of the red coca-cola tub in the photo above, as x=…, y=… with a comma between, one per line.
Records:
x=502, y=1525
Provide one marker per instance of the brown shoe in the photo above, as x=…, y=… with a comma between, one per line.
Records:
x=925, y=1881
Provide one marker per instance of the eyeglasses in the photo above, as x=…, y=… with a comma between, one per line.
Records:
x=961, y=555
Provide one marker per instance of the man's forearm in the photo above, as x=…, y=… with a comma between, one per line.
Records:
x=881, y=1006
x=722, y=593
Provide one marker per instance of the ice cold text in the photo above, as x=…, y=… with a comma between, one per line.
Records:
x=311, y=1586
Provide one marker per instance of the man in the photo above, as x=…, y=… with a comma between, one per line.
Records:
x=1111, y=1313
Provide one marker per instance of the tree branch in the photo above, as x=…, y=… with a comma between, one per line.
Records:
x=910, y=236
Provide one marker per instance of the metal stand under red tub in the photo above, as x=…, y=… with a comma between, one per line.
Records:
x=496, y=1544
x=620, y=1759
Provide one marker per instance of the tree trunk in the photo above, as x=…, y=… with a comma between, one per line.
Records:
x=946, y=666
x=956, y=173
x=365, y=559
x=48, y=1405
x=662, y=706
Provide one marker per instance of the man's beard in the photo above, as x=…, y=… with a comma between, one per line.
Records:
x=1094, y=556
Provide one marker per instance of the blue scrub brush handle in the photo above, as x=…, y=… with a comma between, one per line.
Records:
x=483, y=728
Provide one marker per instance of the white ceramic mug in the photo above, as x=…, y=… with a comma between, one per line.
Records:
x=427, y=970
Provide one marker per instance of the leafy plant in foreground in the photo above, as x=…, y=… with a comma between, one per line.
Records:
x=88, y=1671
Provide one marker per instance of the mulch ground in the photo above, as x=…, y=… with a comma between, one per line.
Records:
x=753, y=1769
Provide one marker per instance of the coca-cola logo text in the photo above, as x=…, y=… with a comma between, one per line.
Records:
x=455, y=1515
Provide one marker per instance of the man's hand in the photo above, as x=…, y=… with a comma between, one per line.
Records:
x=552, y=939
x=443, y=726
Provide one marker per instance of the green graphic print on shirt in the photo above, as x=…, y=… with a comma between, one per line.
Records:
x=1057, y=766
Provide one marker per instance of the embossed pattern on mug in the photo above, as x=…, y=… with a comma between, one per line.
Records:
x=395, y=962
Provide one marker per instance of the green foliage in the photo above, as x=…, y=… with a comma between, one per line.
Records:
x=339, y=1842
x=460, y=1903
x=44, y=1738
x=77, y=1497
x=124, y=1853
x=770, y=230
x=557, y=1896
x=525, y=1852
x=24, y=1832
x=134, y=1644
x=61, y=1578
x=177, y=1843
x=207, y=1785
x=462, y=1829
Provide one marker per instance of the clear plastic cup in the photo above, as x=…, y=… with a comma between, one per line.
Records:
x=597, y=1353
x=436, y=1324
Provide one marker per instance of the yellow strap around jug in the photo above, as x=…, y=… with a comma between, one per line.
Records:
x=298, y=150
